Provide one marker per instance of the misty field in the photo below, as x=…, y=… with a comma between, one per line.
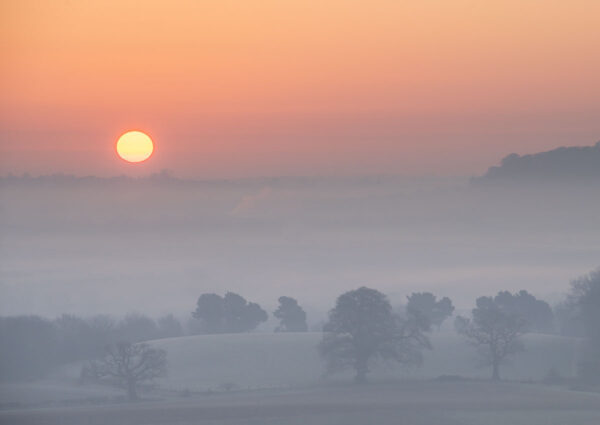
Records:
x=279, y=360
x=277, y=378
x=263, y=361
x=408, y=402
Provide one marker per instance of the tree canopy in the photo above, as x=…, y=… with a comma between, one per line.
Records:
x=292, y=317
x=494, y=330
x=537, y=314
x=585, y=296
x=362, y=327
x=426, y=306
x=228, y=314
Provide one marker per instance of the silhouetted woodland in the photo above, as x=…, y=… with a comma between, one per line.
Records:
x=228, y=314
x=362, y=328
x=562, y=164
x=31, y=346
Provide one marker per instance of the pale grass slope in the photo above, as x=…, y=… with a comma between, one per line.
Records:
x=264, y=360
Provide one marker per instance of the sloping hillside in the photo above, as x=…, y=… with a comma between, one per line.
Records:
x=242, y=361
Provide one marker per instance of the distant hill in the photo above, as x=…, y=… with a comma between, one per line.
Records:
x=269, y=360
x=562, y=164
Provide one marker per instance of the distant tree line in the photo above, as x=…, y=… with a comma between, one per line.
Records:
x=292, y=317
x=30, y=346
x=232, y=313
x=362, y=328
x=228, y=314
x=564, y=164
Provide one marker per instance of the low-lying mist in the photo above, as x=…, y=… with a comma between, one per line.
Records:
x=88, y=246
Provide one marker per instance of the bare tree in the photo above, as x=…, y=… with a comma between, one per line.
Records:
x=132, y=364
x=494, y=331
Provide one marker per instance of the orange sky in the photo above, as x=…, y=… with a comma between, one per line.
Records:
x=271, y=87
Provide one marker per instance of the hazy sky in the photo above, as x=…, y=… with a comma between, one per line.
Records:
x=246, y=88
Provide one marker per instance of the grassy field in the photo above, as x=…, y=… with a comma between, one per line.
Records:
x=268, y=379
x=251, y=361
x=408, y=402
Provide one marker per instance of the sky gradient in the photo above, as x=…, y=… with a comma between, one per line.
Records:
x=242, y=89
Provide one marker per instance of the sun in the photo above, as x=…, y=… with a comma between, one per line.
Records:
x=135, y=146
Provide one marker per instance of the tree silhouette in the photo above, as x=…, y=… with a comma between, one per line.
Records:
x=585, y=295
x=228, y=314
x=292, y=318
x=537, y=314
x=362, y=327
x=425, y=305
x=131, y=364
x=209, y=310
x=494, y=331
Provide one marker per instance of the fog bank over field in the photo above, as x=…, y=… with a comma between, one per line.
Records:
x=153, y=245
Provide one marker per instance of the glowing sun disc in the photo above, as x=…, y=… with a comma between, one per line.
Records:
x=135, y=146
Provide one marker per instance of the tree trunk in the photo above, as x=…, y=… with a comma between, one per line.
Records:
x=131, y=390
x=495, y=372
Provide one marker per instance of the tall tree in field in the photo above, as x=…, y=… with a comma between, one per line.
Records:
x=292, y=317
x=428, y=307
x=537, y=313
x=362, y=328
x=209, y=311
x=585, y=296
x=494, y=331
x=241, y=315
x=131, y=364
